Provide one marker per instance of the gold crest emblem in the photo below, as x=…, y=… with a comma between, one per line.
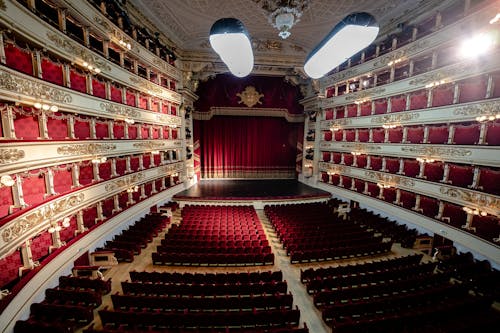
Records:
x=250, y=96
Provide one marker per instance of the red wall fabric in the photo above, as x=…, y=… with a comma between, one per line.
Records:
x=234, y=147
x=9, y=268
x=62, y=180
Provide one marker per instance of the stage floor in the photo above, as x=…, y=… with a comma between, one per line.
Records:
x=272, y=189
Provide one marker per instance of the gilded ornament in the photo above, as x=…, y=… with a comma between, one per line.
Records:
x=445, y=74
x=78, y=51
x=103, y=23
x=250, y=96
x=41, y=215
x=342, y=75
x=176, y=167
x=390, y=179
x=360, y=146
x=86, y=149
x=33, y=89
x=478, y=109
x=400, y=53
x=438, y=151
x=149, y=145
x=474, y=198
x=169, y=120
x=395, y=118
x=10, y=155
x=119, y=110
x=125, y=182
x=364, y=94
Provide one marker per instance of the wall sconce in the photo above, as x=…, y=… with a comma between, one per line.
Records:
x=381, y=185
x=133, y=189
x=155, y=152
x=388, y=126
x=356, y=153
x=390, y=63
x=45, y=107
x=124, y=44
x=7, y=180
x=474, y=211
x=435, y=84
x=426, y=160
x=91, y=68
x=361, y=101
x=129, y=121
x=97, y=160
x=335, y=128
x=490, y=117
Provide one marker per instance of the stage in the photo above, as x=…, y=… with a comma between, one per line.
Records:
x=250, y=192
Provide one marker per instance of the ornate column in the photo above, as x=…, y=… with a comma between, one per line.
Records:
x=116, y=204
x=42, y=126
x=49, y=183
x=8, y=128
x=71, y=126
x=80, y=226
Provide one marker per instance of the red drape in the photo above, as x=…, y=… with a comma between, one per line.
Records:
x=244, y=147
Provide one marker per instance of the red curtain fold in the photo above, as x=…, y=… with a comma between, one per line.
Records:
x=145, y=131
x=175, y=134
x=18, y=58
x=248, y=147
x=373, y=189
x=156, y=133
x=134, y=163
x=438, y=134
x=148, y=188
x=132, y=132
x=487, y=227
x=340, y=110
x=335, y=179
x=164, y=107
x=107, y=207
x=157, y=159
x=143, y=101
x=389, y=194
x=173, y=110
x=146, y=161
x=155, y=105
x=326, y=156
x=52, y=71
x=166, y=133
x=324, y=177
x=346, y=181
x=330, y=91
x=359, y=185
x=78, y=81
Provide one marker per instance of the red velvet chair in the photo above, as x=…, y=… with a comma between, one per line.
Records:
x=26, y=127
x=82, y=128
x=132, y=132
x=442, y=95
x=467, y=134
x=363, y=135
x=461, y=175
x=434, y=171
x=438, y=134
x=489, y=181
x=143, y=101
x=338, y=135
x=335, y=179
x=324, y=177
x=105, y=170
x=121, y=165
x=118, y=129
x=398, y=103
x=487, y=227
x=378, y=135
x=146, y=161
x=396, y=135
x=381, y=106
x=6, y=200
x=346, y=182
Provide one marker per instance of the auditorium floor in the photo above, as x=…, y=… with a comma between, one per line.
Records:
x=291, y=273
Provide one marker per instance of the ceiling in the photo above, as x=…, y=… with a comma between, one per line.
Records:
x=187, y=23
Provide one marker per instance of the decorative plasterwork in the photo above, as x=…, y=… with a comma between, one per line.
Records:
x=39, y=216
x=412, y=48
x=390, y=179
x=120, y=110
x=166, y=169
x=33, y=89
x=250, y=96
x=360, y=147
x=364, y=94
x=433, y=151
x=169, y=120
x=338, y=122
x=78, y=51
x=149, y=145
x=125, y=182
x=334, y=168
x=395, y=118
x=443, y=74
x=86, y=149
x=480, y=200
x=478, y=109
x=152, y=88
x=245, y=111
x=11, y=155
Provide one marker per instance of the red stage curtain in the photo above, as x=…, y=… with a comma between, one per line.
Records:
x=363, y=135
x=18, y=58
x=57, y=128
x=62, y=180
x=78, y=81
x=489, y=181
x=415, y=134
x=9, y=268
x=366, y=108
x=248, y=147
x=52, y=71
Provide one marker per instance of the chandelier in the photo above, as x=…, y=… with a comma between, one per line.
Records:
x=284, y=14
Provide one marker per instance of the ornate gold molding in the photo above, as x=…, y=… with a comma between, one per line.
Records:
x=149, y=145
x=481, y=200
x=151, y=88
x=445, y=74
x=398, y=54
x=78, y=51
x=176, y=167
x=169, y=120
x=390, y=179
x=339, y=122
x=325, y=145
x=342, y=75
x=119, y=110
x=10, y=155
x=478, y=109
x=364, y=94
x=395, y=118
x=41, y=215
x=360, y=146
x=103, y=23
x=33, y=89
x=125, y=182
x=250, y=96
x=86, y=149
x=334, y=168
x=437, y=151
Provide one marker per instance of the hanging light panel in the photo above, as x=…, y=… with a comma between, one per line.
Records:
x=355, y=32
x=229, y=38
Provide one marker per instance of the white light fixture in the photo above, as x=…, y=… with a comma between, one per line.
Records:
x=229, y=38
x=477, y=45
x=7, y=180
x=65, y=223
x=284, y=14
x=355, y=32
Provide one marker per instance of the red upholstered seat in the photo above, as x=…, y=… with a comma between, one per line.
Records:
x=415, y=134
x=473, y=89
x=438, y=134
x=418, y=100
x=467, y=134
x=18, y=58
x=398, y=103
x=78, y=81
x=461, y=175
x=381, y=106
